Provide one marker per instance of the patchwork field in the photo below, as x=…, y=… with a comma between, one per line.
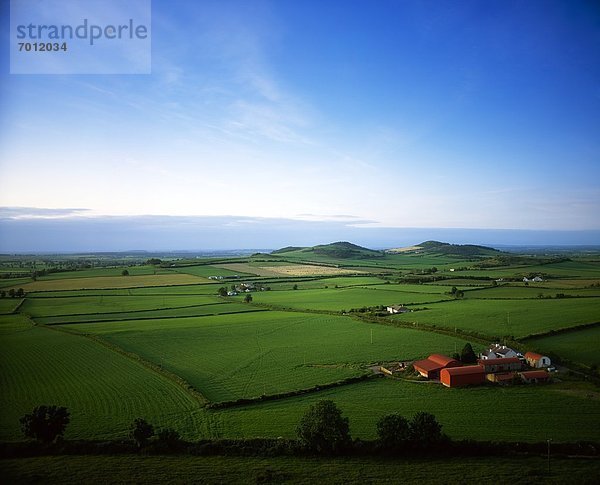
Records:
x=287, y=269
x=101, y=282
x=245, y=355
x=112, y=348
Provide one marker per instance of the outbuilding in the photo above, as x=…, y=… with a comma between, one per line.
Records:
x=470, y=375
x=504, y=364
x=432, y=365
x=534, y=376
x=537, y=361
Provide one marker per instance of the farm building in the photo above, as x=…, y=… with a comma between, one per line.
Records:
x=505, y=364
x=462, y=376
x=398, y=309
x=497, y=351
x=534, y=376
x=502, y=377
x=431, y=366
x=537, y=360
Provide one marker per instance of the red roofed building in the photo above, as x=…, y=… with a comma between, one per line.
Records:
x=462, y=376
x=534, y=376
x=431, y=366
x=537, y=360
x=506, y=364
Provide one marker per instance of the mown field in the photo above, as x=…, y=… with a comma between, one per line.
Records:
x=104, y=390
x=110, y=350
x=245, y=355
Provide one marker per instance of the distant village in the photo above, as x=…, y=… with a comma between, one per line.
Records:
x=498, y=364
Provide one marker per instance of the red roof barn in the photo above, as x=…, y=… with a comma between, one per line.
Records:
x=462, y=376
x=534, y=376
x=505, y=364
x=431, y=366
x=537, y=360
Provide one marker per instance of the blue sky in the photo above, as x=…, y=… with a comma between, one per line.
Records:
x=410, y=114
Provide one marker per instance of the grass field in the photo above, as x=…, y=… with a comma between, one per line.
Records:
x=337, y=299
x=103, y=390
x=79, y=305
x=508, y=317
x=175, y=322
x=577, y=346
x=286, y=270
x=246, y=355
x=519, y=413
x=100, y=282
x=295, y=470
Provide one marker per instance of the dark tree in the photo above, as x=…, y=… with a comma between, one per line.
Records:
x=11, y=292
x=45, y=423
x=222, y=291
x=453, y=290
x=169, y=439
x=323, y=428
x=248, y=298
x=393, y=431
x=467, y=355
x=124, y=273
x=2, y=294
x=295, y=287
x=141, y=431
x=154, y=261
x=19, y=293
x=425, y=429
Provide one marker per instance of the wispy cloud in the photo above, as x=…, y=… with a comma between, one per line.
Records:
x=16, y=213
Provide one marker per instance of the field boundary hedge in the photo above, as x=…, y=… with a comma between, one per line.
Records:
x=560, y=331
x=296, y=392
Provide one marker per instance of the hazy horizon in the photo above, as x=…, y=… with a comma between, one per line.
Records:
x=49, y=230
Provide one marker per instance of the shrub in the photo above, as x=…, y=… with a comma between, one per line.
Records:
x=45, y=423
x=323, y=428
x=141, y=432
x=393, y=431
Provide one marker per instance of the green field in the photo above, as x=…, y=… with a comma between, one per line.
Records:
x=295, y=470
x=113, y=354
x=245, y=355
x=507, y=317
x=338, y=299
x=105, y=391
x=577, y=346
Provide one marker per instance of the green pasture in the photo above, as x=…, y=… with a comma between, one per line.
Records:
x=496, y=318
x=337, y=299
x=245, y=355
x=103, y=390
x=8, y=305
x=95, y=272
x=578, y=346
x=518, y=413
x=206, y=270
x=186, y=311
x=195, y=289
x=323, y=283
x=44, y=307
x=519, y=291
x=296, y=470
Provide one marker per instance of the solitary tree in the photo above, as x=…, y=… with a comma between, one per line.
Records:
x=141, y=431
x=295, y=287
x=323, y=428
x=45, y=423
x=19, y=293
x=124, y=273
x=222, y=291
x=248, y=298
x=425, y=429
x=11, y=292
x=467, y=355
x=393, y=431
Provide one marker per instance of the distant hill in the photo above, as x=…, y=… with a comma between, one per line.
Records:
x=336, y=250
x=438, y=247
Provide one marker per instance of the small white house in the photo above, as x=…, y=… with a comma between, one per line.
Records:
x=497, y=351
x=398, y=309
